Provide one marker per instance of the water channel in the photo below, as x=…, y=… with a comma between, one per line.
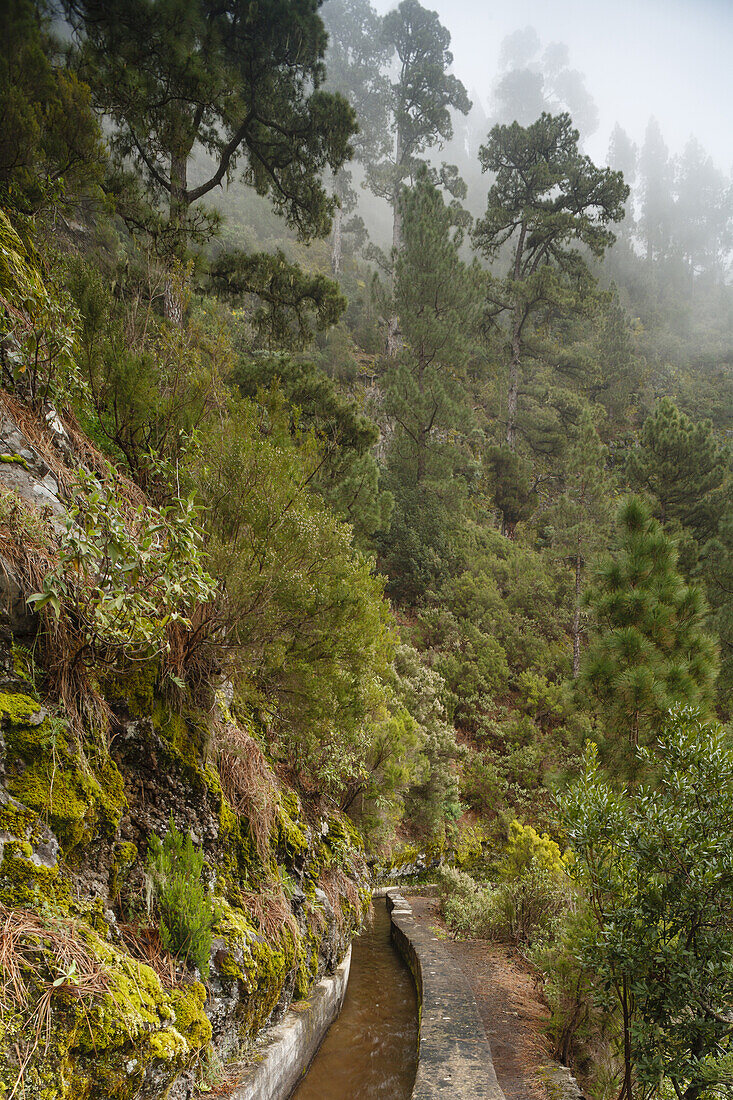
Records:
x=370, y=1051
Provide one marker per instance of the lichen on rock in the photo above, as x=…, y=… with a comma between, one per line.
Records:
x=74, y=823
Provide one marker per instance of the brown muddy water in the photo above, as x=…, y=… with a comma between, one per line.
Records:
x=370, y=1051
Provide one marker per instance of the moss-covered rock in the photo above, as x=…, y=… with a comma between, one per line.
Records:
x=136, y=1037
x=130, y=1039
x=48, y=774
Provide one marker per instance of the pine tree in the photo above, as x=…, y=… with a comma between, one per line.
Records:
x=438, y=299
x=717, y=571
x=423, y=96
x=684, y=469
x=547, y=198
x=356, y=60
x=581, y=516
x=424, y=93
x=241, y=81
x=650, y=650
x=656, y=172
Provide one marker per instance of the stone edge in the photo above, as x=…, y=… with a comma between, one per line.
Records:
x=291, y=1045
x=454, y=1055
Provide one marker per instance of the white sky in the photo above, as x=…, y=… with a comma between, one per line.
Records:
x=669, y=58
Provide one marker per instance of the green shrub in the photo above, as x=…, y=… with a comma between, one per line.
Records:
x=184, y=905
x=525, y=907
x=526, y=847
x=465, y=903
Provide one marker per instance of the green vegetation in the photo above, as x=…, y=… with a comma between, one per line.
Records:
x=325, y=549
x=656, y=869
x=185, y=908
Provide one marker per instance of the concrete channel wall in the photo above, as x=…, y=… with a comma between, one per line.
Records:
x=454, y=1056
x=291, y=1045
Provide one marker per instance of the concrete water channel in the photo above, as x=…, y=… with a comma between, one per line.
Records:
x=408, y=1026
x=370, y=1051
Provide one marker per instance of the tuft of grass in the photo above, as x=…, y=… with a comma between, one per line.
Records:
x=47, y=955
x=248, y=782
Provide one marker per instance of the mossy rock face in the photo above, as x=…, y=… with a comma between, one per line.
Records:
x=130, y=1040
x=73, y=843
x=79, y=799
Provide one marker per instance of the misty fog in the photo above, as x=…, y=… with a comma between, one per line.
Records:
x=666, y=58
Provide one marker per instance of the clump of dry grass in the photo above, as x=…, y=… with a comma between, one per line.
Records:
x=270, y=909
x=247, y=781
x=28, y=543
x=36, y=429
x=39, y=960
x=144, y=944
x=337, y=885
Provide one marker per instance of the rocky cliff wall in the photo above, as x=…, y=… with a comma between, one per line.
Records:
x=92, y=1004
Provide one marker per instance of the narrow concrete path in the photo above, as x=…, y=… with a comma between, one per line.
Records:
x=509, y=1005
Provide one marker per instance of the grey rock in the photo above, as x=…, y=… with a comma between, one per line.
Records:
x=17, y=618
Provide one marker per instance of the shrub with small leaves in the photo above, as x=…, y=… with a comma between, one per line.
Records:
x=185, y=907
x=125, y=579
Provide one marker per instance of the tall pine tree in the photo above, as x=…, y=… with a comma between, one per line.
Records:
x=438, y=299
x=650, y=649
x=581, y=516
x=546, y=200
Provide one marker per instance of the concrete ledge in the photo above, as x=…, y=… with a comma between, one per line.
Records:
x=454, y=1056
x=290, y=1046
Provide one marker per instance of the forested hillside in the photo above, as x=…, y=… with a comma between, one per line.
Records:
x=365, y=507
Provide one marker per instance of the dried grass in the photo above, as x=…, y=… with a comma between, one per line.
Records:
x=247, y=781
x=28, y=543
x=35, y=949
x=336, y=885
x=37, y=431
x=270, y=909
x=189, y=656
x=143, y=942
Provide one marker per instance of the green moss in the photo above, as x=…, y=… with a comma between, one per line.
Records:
x=307, y=964
x=260, y=967
x=228, y=820
x=135, y=691
x=18, y=820
x=190, y=1019
x=24, y=884
x=237, y=862
x=19, y=710
x=46, y=775
x=187, y=735
x=15, y=460
x=290, y=835
x=123, y=859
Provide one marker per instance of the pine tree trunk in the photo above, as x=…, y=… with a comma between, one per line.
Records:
x=336, y=241
x=422, y=432
x=173, y=291
x=394, y=337
x=515, y=366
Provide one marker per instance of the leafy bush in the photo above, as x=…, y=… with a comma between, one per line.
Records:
x=37, y=322
x=184, y=905
x=534, y=889
x=300, y=607
x=527, y=848
x=579, y=1029
x=124, y=579
x=532, y=893
x=527, y=906
x=465, y=904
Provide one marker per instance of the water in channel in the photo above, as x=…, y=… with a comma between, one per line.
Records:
x=370, y=1051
